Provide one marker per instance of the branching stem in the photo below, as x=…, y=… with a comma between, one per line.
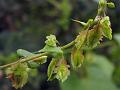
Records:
x=33, y=58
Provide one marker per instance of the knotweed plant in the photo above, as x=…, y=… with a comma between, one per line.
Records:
x=91, y=35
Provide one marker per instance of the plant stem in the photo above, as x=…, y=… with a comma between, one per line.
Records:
x=34, y=58
x=24, y=60
x=68, y=45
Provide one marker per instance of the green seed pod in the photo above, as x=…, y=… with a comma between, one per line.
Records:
x=76, y=58
x=18, y=74
x=51, y=68
x=62, y=71
x=111, y=5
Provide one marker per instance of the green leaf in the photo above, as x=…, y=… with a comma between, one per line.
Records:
x=51, y=68
x=31, y=64
x=86, y=25
x=89, y=22
x=94, y=36
x=88, y=38
x=18, y=74
x=58, y=69
x=105, y=27
x=80, y=40
x=24, y=53
x=76, y=58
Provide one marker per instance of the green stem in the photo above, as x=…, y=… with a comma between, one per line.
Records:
x=68, y=45
x=34, y=58
x=24, y=60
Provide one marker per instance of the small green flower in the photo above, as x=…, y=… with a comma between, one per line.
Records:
x=51, y=40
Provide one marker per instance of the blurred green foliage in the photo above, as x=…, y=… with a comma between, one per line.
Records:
x=99, y=72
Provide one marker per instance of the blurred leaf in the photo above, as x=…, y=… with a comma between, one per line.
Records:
x=116, y=75
x=102, y=64
x=117, y=38
x=65, y=10
x=99, y=77
x=8, y=59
